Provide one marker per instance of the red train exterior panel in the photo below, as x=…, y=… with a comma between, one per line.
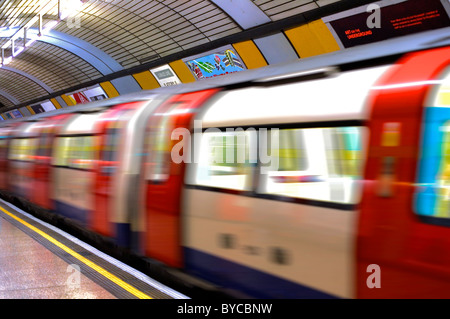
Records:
x=414, y=257
x=41, y=194
x=163, y=224
x=108, y=125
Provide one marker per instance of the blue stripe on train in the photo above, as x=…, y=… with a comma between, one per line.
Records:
x=123, y=234
x=20, y=191
x=69, y=211
x=124, y=237
x=241, y=278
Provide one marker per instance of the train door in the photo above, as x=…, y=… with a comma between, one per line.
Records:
x=109, y=125
x=73, y=159
x=116, y=132
x=4, y=163
x=49, y=128
x=164, y=177
x=400, y=253
x=21, y=156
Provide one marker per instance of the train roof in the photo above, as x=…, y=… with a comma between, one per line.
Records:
x=81, y=124
x=338, y=97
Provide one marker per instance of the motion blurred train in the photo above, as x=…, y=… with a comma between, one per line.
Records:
x=324, y=178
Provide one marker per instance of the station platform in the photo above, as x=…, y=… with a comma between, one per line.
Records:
x=40, y=261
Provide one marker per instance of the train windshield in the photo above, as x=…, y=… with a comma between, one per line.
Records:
x=432, y=196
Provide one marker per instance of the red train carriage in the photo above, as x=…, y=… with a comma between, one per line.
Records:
x=403, y=224
x=46, y=130
x=362, y=185
x=5, y=135
x=164, y=178
x=111, y=129
x=121, y=160
x=23, y=145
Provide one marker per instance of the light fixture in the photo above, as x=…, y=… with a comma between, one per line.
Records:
x=65, y=8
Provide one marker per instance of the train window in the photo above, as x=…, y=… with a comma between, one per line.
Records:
x=433, y=193
x=109, y=151
x=158, y=145
x=227, y=159
x=432, y=196
x=3, y=146
x=442, y=205
x=61, y=157
x=344, y=151
x=44, y=147
x=75, y=152
x=291, y=151
x=110, y=147
x=22, y=149
x=317, y=163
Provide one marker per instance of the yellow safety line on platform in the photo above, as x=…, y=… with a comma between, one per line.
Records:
x=89, y=263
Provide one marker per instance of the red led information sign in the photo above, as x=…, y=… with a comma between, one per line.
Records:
x=395, y=20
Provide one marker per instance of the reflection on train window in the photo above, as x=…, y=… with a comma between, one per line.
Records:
x=291, y=151
x=109, y=151
x=227, y=159
x=3, y=146
x=344, y=151
x=158, y=141
x=45, y=146
x=317, y=163
x=75, y=152
x=433, y=195
x=22, y=149
x=442, y=208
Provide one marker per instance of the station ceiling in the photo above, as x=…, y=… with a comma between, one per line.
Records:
x=84, y=40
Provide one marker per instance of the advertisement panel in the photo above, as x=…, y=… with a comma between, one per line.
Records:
x=219, y=62
x=165, y=75
x=43, y=107
x=377, y=23
x=87, y=95
x=14, y=114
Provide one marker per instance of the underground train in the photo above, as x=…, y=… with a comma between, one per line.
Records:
x=304, y=180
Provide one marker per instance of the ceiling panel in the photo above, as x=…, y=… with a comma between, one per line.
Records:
x=4, y=102
x=22, y=88
x=62, y=69
x=129, y=30
x=281, y=9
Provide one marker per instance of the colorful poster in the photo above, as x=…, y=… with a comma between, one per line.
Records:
x=223, y=61
x=17, y=114
x=48, y=106
x=87, y=95
x=43, y=107
x=14, y=114
x=37, y=108
x=80, y=98
x=95, y=93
